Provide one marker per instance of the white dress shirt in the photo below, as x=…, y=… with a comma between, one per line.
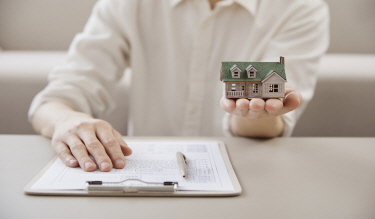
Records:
x=175, y=48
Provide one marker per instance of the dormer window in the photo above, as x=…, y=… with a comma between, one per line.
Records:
x=251, y=72
x=236, y=71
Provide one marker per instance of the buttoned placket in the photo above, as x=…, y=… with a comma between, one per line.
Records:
x=202, y=43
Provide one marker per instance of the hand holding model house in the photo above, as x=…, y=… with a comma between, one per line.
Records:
x=256, y=90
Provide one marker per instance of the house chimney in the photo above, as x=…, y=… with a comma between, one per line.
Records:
x=282, y=60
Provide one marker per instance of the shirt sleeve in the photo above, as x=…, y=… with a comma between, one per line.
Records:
x=96, y=60
x=302, y=39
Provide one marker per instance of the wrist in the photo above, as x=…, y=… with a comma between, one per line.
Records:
x=49, y=115
x=258, y=128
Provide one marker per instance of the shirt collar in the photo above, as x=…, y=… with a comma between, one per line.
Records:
x=249, y=5
x=175, y=2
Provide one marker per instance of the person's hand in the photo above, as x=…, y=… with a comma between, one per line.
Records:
x=257, y=108
x=78, y=135
x=260, y=118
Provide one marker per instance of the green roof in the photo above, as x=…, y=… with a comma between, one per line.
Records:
x=263, y=70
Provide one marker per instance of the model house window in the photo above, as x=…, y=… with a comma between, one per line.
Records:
x=236, y=71
x=233, y=88
x=273, y=88
x=255, y=88
x=251, y=71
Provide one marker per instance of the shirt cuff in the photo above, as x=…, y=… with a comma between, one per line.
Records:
x=226, y=129
x=289, y=123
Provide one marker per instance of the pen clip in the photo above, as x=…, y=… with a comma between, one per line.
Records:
x=182, y=163
x=183, y=156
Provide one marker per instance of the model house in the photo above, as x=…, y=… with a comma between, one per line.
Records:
x=253, y=79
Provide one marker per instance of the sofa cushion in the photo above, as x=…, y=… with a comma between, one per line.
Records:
x=343, y=104
x=344, y=100
x=23, y=74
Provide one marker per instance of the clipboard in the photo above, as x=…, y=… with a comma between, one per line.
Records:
x=165, y=188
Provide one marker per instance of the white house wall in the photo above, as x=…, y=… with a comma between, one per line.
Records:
x=273, y=79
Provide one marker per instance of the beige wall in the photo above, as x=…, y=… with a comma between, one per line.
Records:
x=352, y=26
x=52, y=24
x=41, y=24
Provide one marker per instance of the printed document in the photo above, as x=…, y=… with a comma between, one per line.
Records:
x=153, y=162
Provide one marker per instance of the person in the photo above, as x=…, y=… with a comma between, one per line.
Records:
x=174, y=49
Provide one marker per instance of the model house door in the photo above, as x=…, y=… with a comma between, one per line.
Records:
x=253, y=90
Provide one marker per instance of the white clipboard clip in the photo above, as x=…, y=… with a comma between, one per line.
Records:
x=157, y=187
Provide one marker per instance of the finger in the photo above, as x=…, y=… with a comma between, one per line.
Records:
x=257, y=104
x=284, y=110
x=243, y=106
x=65, y=155
x=256, y=108
x=96, y=149
x=293, y=100
x=273, y=106
x=79, y=151
x=111, y=145
x=228, y=105
x=126, y=150
x=288, y=90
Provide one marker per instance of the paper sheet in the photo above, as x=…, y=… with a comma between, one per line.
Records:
x=150, y=162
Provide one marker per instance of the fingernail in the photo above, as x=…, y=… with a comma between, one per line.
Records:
x=129, y=148
x=89, y=165
x=126, y=150
x=104, y=165
x=72, y=162
x=119, y=163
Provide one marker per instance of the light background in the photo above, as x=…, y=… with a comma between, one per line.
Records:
x=52, y=24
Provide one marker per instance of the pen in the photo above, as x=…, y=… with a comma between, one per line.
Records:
x=181, y=161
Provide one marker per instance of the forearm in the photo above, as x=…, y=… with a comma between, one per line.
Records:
x=49, y=114
x=259, y=128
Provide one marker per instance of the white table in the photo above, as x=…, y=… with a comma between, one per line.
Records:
x=289, y=178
